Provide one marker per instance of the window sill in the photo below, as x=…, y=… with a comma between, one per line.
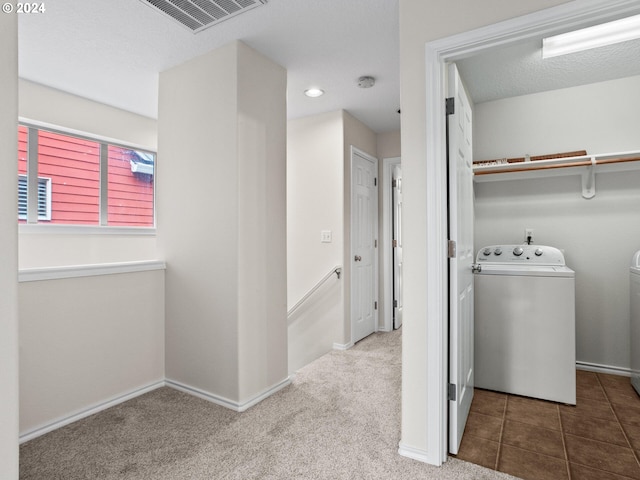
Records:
x=74, y=271
x=39, y=229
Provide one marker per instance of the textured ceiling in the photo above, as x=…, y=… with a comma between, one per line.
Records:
x=520, y=69
x=112, y=51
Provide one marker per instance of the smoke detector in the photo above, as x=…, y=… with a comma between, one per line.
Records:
x=197, y=15
x=366, y=82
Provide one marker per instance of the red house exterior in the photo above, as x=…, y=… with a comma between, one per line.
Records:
x=69, y=169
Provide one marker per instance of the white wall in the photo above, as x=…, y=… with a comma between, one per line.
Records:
x=58, y=108
x=262, y=235
x=9, y=250
x=422, y=22
x=40, y=248
x=599, y=118
x=85, y=341
x=314, y=203
x=221, y=223
x=388, y=145
x=599, y=235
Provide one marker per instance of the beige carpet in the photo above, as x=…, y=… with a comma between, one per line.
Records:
x=340, y=419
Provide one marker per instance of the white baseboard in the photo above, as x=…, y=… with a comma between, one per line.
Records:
x=413, y=453
x=342, y=346
x=225, y=402
x=74, y=417
x=61, y=422
x=595, y=367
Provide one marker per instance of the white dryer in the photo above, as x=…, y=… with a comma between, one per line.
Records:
x=634, y=287
x=525, y=322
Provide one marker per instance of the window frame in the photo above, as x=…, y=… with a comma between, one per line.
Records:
x=103, y=144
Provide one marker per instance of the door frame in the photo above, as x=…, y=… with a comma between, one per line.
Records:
x=376, y=233
x=437, y=54
x=385, y=241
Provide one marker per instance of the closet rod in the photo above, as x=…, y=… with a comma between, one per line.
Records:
x=536, y=166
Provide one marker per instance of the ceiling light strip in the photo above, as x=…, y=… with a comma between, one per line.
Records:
x=609, y=33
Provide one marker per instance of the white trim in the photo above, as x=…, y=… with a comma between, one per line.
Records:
x=610, y=369
x=74, y=271
x=436, y=292
x=385, y=241
x=437, y=54
x=342, y=346
x=413, y=453
x=61, y=422
x=225, y=402
x=59, y=229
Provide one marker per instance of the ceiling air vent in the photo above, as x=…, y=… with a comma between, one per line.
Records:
x=197, y=15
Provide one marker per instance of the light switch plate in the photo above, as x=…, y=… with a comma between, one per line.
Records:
x=325, y=236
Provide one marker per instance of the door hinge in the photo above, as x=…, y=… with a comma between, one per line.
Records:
x=450, y=106
x=452, y=392
x=451, y=249
x=395, y=304
x=375, y=182
x=375, y=243
x=375, y=305
x=395, y=243
x=394, y=183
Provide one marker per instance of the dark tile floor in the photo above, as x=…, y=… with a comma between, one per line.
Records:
x=598, y=439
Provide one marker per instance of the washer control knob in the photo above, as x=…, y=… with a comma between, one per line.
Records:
x=486, y=251
x=518, y=251
x=497, y=251
x=538, y=252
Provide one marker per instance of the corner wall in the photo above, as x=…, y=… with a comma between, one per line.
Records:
x=9, y=251
x=221, y=224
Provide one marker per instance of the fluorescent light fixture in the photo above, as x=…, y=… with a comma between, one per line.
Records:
x=592, y=37
x=314, y=92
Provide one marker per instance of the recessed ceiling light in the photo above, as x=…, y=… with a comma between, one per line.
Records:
x=314, y=92
x=592, y=37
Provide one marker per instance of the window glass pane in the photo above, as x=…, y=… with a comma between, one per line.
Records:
x=73, y=165
x=130, y=187
x=22, y=172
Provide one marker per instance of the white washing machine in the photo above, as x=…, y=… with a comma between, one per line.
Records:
x=525, y=322
x=634, y=287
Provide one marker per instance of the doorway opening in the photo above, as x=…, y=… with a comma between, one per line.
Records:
x=438, y=55
x=364, y=245
x=391, y=243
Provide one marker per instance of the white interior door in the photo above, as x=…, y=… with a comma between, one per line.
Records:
x=364, y=235
x=460, y=178
x=397, y=246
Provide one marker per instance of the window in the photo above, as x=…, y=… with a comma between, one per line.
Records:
x=44, y=198
x=82, y=181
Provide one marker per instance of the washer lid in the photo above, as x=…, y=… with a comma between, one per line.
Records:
x=526, y=270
